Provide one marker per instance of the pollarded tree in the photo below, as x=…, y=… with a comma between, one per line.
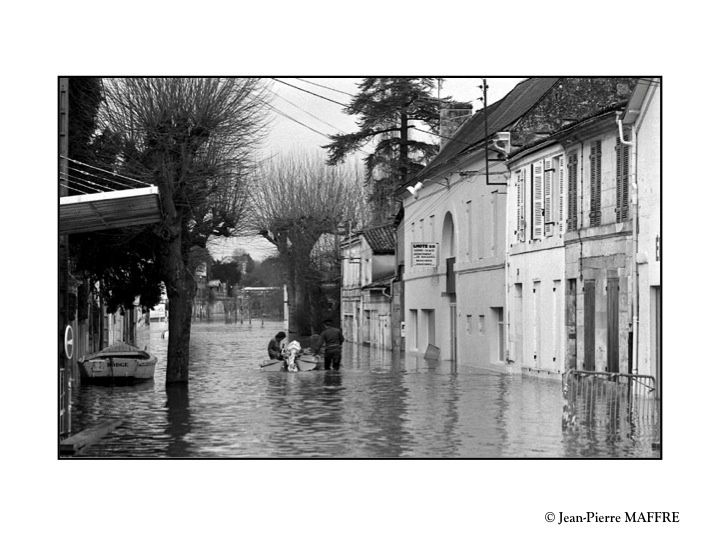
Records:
x=388, y=107
x=296, y=200
x=193, y=138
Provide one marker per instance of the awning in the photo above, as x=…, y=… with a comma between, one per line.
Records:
x=382, y=283
x=109, y=210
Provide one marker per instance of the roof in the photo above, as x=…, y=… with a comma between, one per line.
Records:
x=599, y=116
x=380, y=283
x=109, y=210
x=500, y=116
x=381, y=239
x=636, y=100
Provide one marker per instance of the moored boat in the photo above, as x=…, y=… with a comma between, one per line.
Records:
x=118, y=363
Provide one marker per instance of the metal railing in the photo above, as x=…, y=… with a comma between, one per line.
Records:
x=617, y=401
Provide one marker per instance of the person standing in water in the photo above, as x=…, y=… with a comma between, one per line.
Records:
x=333, y=339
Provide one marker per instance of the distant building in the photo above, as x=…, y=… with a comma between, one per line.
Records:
x=368, y=272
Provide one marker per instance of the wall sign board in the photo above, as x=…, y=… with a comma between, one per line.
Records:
x=425, y=253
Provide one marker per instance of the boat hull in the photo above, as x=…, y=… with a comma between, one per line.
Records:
x=118, y=364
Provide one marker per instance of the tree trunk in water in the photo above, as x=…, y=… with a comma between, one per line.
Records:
x=290, y=283
x=180, y=287
x=301, y=311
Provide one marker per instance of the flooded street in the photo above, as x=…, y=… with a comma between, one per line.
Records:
x=375, y=407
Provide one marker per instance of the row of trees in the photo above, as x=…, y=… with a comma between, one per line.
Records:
x=195, y=139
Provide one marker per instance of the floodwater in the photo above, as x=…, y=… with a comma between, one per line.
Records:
x=376, y=406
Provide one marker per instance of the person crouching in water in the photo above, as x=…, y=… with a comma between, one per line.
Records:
x=276, y=347
x=333, y=339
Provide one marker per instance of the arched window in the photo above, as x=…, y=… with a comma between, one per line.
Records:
x=447, y=246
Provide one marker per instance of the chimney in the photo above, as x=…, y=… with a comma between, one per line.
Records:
x=451, y=118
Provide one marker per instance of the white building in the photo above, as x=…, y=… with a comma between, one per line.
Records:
x=643, y=118
x=368, y=270
x=536, y=259
x=456, y=301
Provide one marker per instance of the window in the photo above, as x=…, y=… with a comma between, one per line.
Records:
x=468, y=324
x=481, y=323
x=468, y=229
x=595, y=184
x=537, y=192
x=422, y=230
x=493, y=223
x=622, y=152
x=431, y=229
x=572, y=196
x=548, y=196
x=414, y=328
x=520, y=225
x=429, y=326
x=559, y=165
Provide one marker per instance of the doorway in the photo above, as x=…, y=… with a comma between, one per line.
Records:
x=453, y=332
x=589, y=322
x=613, y=344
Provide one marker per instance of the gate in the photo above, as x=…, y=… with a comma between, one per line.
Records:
x=625, y=404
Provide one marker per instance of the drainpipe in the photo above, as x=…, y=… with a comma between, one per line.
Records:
x=634, y=204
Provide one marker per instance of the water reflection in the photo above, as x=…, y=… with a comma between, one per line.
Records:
x=178, y=421
x=377, y=405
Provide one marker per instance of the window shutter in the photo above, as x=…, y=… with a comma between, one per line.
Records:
x=523, y=215
x=572, y=192
x=626, y=179
x=537, y=179
x=518, y=206
x=622, y=152
x=548, y=198
x=561, y=192
x=595, y=184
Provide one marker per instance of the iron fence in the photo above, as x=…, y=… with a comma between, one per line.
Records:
x=621, y=402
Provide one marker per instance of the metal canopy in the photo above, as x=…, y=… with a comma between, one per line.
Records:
x=109, y=210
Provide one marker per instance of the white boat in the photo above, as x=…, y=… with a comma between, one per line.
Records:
x=118, y=363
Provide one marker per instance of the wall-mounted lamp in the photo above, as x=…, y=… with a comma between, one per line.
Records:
x=414, y=189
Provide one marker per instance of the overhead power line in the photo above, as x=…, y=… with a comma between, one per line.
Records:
x=112, y=180
x=326, y=87
x=105, y=171
x=293, y=119
x=281, y=113
x=83, y=182
x=305, y=111
x=309, y=92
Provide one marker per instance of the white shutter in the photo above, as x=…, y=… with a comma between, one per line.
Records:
x=523, y=195
x=548, y=197
x=518, y=205
x=561, y=193
x=537, y=179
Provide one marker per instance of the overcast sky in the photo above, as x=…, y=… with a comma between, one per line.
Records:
x=300, y=115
